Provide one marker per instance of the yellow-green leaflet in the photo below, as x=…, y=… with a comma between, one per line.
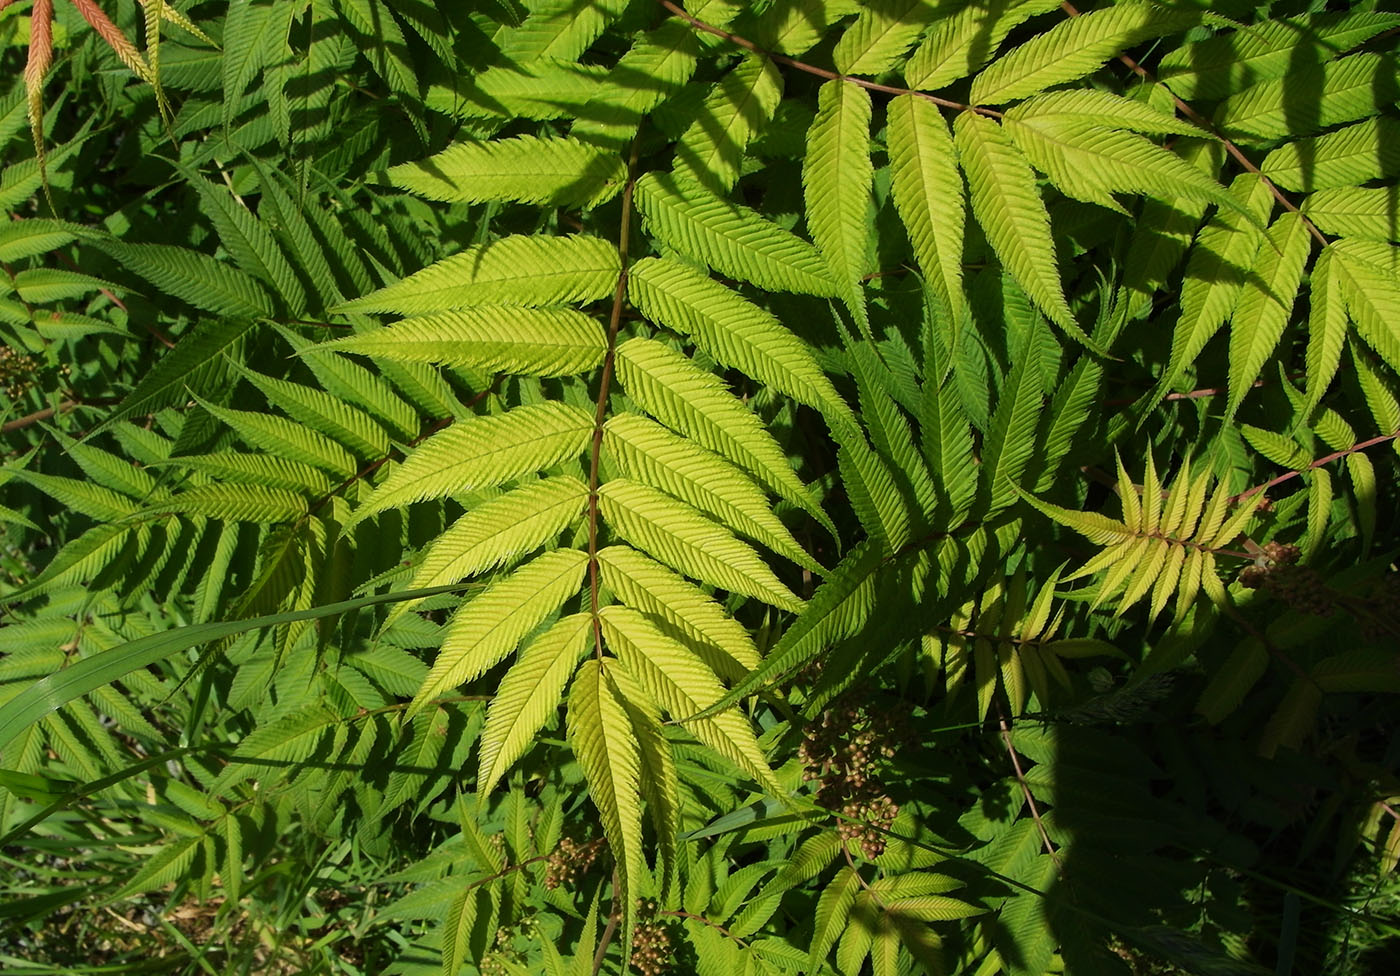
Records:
x=606, y=745
x=515, y=270
x=487, y=628
x=522, y=169
x=1073, y=48
x=695, y=403
x=836, y=184
x=681, y=684
x=479, y=452
x=648, y=452
x=1007, y=202
x=735, y=240
x=497, y=531
x=736, y=332
x=684, y=539
x=884, y=30
x=928, y=192
x=680, y=609
x=528, y=694
x=491, y=338
x=1265, y=302
x=965, y=40
x=711, y=150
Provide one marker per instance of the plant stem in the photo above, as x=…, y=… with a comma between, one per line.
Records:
x=604, y=386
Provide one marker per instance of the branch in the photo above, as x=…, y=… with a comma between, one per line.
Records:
x=701, y=918
x=64, y=407
x=30, y=420
x=604, y=386
x=1030, y=799
x=608, y=933
x=1334, y=456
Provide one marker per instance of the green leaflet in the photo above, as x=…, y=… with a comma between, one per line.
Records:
x=946, y=441
x=647, y=452
x=606, y=745
x=1073, y=48
x=961, y=43
x=1091, y=163
x=1227, y=63
x=732, y=239
x=1366, y=272
x=678, y=535
x=711, y=149
x=1369, y=213
x=39, y=286
x=521, y=169
x=837, y=174
x=480, y=452
x=487, y=628
x=794, y=28
x=680, y=609
x=1340, y=91
x=1347, y=157
x=244, y=28
x=1278, y=448
x=1013, y=216
x=558, y=29
x=1011, y=439
x=499, y=530
x=875, y=496
x=278, y=435
x=20, y=239
x=1065, y=421
x=658, y=766
x=291, y=740
x=377, y=35
x=493, y=338
x=266, y=469
x=250, y=242
x=833, y=913
x=928, y=192
x=693, y=402
x=882, y=33
x=528, y=694
x=193, y=277
x=681, y=684
x=1089, y=106
x=97, y=503
x=236, y=503
x=839, y=607
x=115, y=663
x=666, y=57
x=1265, y=302
x=734, y=331
x=516, y=270
x=1215, y=275
x=356, y=384
x=542, y=88
x=325, y=413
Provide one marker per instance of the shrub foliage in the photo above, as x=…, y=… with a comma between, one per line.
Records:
x=802, y=486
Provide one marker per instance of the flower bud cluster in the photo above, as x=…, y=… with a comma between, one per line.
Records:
x=842, y=752
x=17, y=371
x=570, y=861
x=505, y=949
x=651, y=942
x=1278, y=573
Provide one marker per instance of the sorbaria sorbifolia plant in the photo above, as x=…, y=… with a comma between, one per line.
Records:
x=801, y=486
